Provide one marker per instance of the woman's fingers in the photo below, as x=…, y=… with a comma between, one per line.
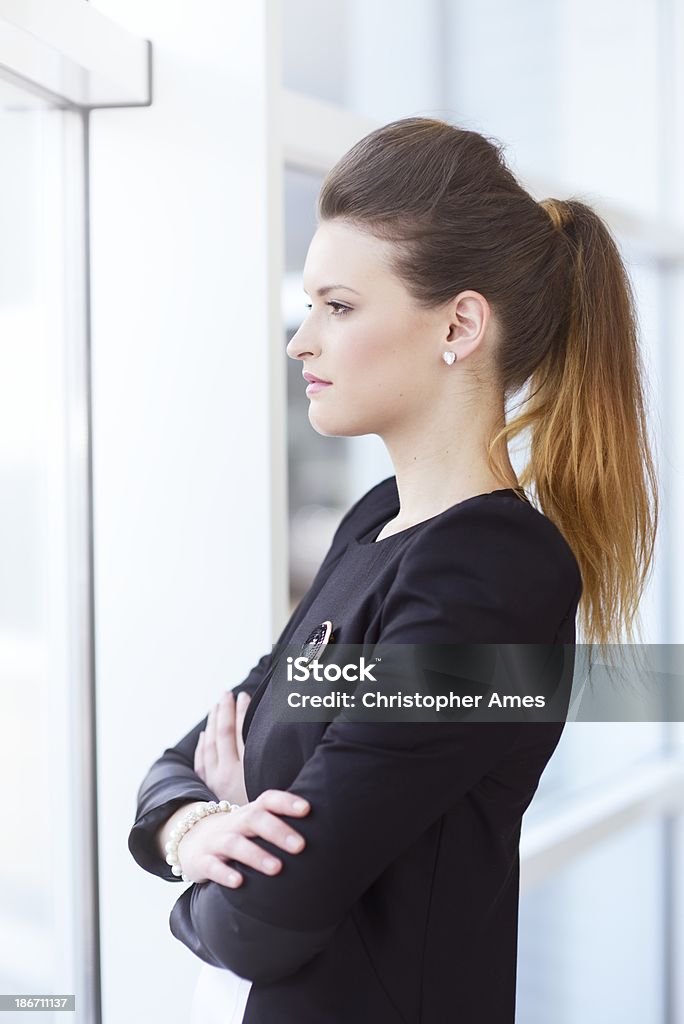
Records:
x=239, y=847
x=243, y=699
x=199, y=757
x=210, y=755
x=261, y=818
x=219, y=751
x=225, y=727
x=258, y=818
x=219, y=871
x=282, y=802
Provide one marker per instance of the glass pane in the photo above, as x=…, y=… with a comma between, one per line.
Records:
x=593, y=754
x=350, y=56
x=45, y=918
x=592, y=939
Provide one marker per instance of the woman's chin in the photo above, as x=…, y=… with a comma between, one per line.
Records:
x=331, y=426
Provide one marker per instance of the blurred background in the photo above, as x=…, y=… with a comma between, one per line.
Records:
x=164, y=499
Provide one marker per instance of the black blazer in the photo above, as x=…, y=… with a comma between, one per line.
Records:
x=403, y=906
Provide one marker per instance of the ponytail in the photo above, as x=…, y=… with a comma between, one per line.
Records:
x=590, y=455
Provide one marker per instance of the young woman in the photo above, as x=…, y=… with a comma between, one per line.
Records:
x=438, y=289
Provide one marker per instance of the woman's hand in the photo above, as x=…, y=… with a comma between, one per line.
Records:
x=216, y=838
x=220, y=749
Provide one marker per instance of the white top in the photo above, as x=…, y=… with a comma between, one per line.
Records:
x=220, y=996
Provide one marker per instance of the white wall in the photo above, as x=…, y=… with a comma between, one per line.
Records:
x=188, y=502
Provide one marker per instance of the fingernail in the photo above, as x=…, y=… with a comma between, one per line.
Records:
x=300, y=805
x=293, y=842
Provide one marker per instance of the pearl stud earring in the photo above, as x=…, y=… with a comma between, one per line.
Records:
x=448, y=357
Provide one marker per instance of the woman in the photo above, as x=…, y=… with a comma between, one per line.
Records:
x=439, y=288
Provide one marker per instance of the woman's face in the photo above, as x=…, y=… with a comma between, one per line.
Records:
x=381, y=354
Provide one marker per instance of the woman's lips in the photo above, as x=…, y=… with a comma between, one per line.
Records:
x=315, y=386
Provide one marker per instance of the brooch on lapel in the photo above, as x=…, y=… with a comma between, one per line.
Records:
x=317, y=640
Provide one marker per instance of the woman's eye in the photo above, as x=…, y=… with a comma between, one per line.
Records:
x=339, y=309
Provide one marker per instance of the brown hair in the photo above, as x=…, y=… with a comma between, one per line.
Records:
x=567, y=327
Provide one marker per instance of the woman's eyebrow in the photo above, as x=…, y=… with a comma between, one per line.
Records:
x=329, y=287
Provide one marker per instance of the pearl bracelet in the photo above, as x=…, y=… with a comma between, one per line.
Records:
x=191, y=818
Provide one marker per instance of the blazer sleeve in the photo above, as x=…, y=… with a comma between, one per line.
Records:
x=171, y=782
x=374, y=787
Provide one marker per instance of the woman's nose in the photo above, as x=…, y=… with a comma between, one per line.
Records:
x=296, y=347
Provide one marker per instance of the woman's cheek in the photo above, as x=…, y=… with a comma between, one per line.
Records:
x=356, y=352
